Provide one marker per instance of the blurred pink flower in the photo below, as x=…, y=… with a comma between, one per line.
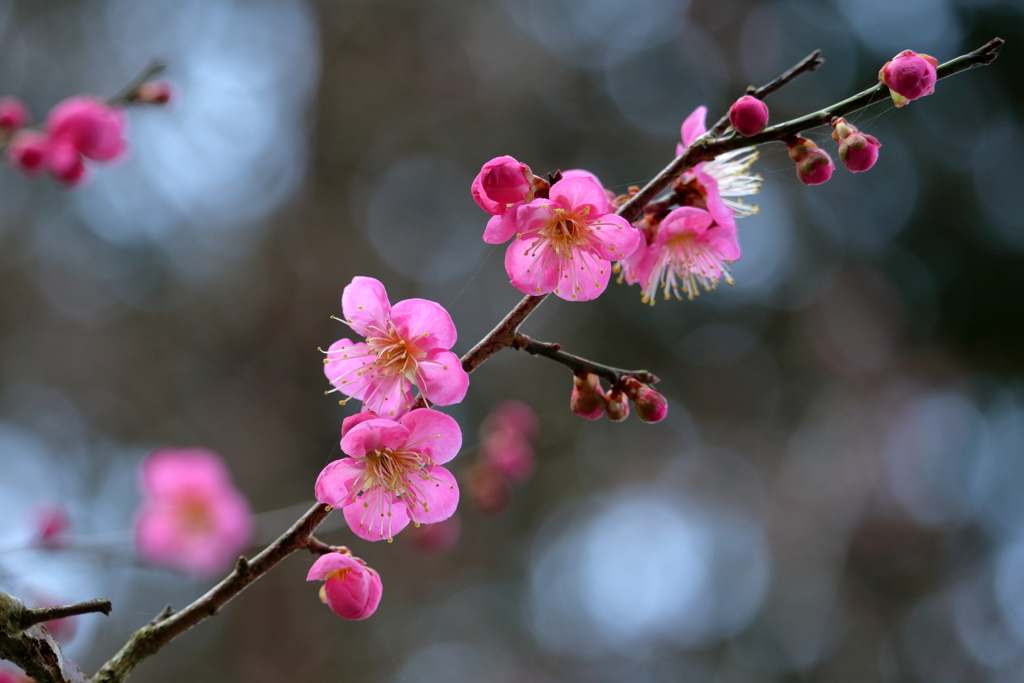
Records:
x=506, y=435
x=93, y=128
x=27, y=152
x=748, y=115
x=393, y=475
x=435, y=539
x=13, y=114
x=11, y=675
x=52, y=523
x=502, y=185
x=193, y=518
x=909, y=76
x=565, y=242
x=690, y=250
x=351, y=589
x=406, y=345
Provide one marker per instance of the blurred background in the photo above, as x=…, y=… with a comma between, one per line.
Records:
x=838, y=491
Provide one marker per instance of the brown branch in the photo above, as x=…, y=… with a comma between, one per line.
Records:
x=578, y=364
x=318, y=547
x=153, y=636
x=32, y=647
x=37, y=615
x=706, y=148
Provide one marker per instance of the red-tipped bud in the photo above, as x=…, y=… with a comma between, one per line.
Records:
x=650, y=405
x=587, y=398
x=154, y=92
x=748, y=115
x=27, y=152
x=909, y=76
x=502, y=182
x=813, y=165
x=13, y=114
x=857, y=151
x=617, y=407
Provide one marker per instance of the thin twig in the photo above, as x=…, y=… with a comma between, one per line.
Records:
x=578, y=364
x=37, y=615
x=129, y=91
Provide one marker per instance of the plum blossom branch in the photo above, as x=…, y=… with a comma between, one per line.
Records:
x=130, y=90
x=37, y=615
x=708, y=147
x=580, y=365
x=24, y=641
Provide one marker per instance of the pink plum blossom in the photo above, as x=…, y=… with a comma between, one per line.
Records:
x=13, y=114
x=393, y=474
x=565, y=242
x=351, y=589
x=11, y=675
x=909, y=76
x=93, y=128
x=857, y=151
x=689, y=250
x=505, y=440
x=502, y=185
x=406, y=345
x=748, y=115
x=27, y=152
x=193, y=518
x=52, y=523
x=813, y=165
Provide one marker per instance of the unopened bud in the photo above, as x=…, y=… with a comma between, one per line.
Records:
x=909, y=76
x=13, y=114
x=813, y=165
x=502, y=181
x=27, y=151
x=748, y=115
x=650, y=405
x=154, y=92
x=587, y=398
x=617, y=407
x=858, y=151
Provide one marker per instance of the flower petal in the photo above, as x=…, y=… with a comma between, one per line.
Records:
x=501, y=228
x=531, y=271
x=580, y=173
x=693, y=126
x=722, y=214
x=174, y=471
x=424, y=323
x=344, y=369
x=335, y=482
x=577, y=192
x=376, y=515
x=388, y=396
x=441, y=378
x=686, y=220
x=365, y=305
x=434, y=434
x=374, y=435
x=582, y=277
x=331, y=562
x=724, y=242
x=352, y=420
x=614, y=237
x=438, y=494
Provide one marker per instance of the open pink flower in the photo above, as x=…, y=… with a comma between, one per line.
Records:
x=351, y=589
x=393, y=475
x=27, y=152
x=690, y=250
x=566, y=242
x=93, y=128
x=406, y=345
x=193, y=518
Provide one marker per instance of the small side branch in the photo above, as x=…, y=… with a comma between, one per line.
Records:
x=37, y=615
x=130, y=89
x=29, y=645
x=580, y=365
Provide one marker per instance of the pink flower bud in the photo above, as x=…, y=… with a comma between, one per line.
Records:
x=352, y=420
x=617, y=406
x=13, y=114
x=27, y=151
x=813, y=165
x=92, y=127
x=154, y=92
x=65, y=163
x=748, y=115
x=857, y=151
x=502, y=182
x=587, y=398
x=351, y=589
x=52, y=523
x=909, y=76
x=650, y=405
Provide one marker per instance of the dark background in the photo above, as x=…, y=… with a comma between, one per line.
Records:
x=836, y=494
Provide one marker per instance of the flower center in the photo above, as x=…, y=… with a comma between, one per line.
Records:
x=194, y=515
x=685, y=265
x=395, y=355
x=566, y=232
x=390, y=469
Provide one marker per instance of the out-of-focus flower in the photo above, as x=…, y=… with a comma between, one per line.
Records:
x=857, y=151
x=617, y=406
x=565, y=243
x=393, y=475
x=719, y=183
x=813, y=165
x=406, y=345
x=154, y=92
x=435, y=539
x=502, y=185
x=52, y=523
x=93, y=128
x=351, y=589
x=505, y=440
x=748, y=115
x=587, y=399
x=193, y=518
x=27, y=152
x=61, y=629
x=689, y=250
x=65, y=162
x=490, y=489
x=13, y=114
x=11, y=675
x=909, y=76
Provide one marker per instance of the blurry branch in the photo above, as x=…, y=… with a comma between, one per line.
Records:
x=708, y=147
x=169, y=625
x=130, y=90
x=579, y=365
x=24, y=641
